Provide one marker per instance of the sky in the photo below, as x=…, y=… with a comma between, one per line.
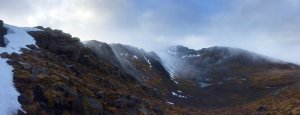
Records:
x=268, y=27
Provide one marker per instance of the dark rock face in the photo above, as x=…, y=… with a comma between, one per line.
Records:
x=24, y=100
x=3, y=31
x=262, y=108
x=103, y=51
x=38, y=70
x=66, y=47
x=87, y=106
x=39, y=93
x=121, y=103
x=158, y=110
x=134, y=101
x=129, y=59
x=224, y=71
x=25, y=65
x=58, y=42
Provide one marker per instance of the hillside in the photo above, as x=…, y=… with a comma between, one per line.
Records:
x=225, y=76
x=55, y=73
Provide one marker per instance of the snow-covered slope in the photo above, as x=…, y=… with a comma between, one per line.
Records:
x=15, y=39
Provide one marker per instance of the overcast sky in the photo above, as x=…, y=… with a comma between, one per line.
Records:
x=269, y=27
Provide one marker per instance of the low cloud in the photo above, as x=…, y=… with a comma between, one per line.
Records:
x=264, y=26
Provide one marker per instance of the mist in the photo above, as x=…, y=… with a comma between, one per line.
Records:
x=266, y=27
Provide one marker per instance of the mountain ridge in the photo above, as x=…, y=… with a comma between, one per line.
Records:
x=59, y=74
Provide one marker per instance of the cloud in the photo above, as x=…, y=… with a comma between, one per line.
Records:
x=264, y=26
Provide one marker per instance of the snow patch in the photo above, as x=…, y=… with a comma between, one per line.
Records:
x=16, y=38
x=9, y=96
x=174, y=81
x=171, y=74
x=124, y=54
x=203, y=84
x=135, y=57
x=171, y=52
x=148, y=61
x=178, y=95
x=172, y=77
x=167, y=64
x=190, y=56
x=268, y=87
x=229, y=78
x=171, y=103
x=207, y=79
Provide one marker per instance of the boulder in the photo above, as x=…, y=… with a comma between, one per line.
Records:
x=25, y=65
x=66, y=90
x=87, y=106
x=38, y=93
x=132, y=111
x=75, y=69
x=24, y=100
x=134, y=101
x=95, y=107
x=121, y=103
x=158, y=110
x=144, y=111
x=37, y=70
x=262, y=108
x=100, y=95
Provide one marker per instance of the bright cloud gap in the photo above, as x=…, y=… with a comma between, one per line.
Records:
x=265, y=27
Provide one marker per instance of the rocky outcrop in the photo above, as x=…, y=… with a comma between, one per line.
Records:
x=58, y=42
x=67, y=47
x=3, y=31
x=103, y=51
x=136, y=62
x=51, y=84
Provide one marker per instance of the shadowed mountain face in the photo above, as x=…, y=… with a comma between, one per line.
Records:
x=210, y=77
x=131, y=60
x=222, y=76
x=144, y=66
x=209, y=60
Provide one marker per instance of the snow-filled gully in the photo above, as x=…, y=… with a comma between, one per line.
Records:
x=16, y=38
